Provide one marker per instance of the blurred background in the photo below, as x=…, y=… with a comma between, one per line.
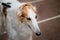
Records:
x=50, y=30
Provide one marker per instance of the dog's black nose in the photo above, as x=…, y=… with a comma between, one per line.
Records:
x=38, y=34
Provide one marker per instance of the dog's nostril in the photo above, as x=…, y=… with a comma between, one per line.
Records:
x=38, y=34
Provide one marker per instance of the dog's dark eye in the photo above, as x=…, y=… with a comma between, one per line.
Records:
x=28, y=18
x=35, y=16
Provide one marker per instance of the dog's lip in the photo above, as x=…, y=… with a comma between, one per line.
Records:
x=29, y=26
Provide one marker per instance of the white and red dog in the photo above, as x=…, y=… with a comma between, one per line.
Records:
x=21, y=20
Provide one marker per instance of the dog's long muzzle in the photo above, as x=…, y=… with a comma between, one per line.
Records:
x=38, y=33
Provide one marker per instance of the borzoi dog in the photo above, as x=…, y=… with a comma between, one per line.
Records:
x=21, y=20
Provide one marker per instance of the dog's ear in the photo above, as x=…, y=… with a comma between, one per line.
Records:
x=19, y=13
x=20, y=16
x=6, y=5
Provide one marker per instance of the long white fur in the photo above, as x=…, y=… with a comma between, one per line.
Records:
x=15, y=30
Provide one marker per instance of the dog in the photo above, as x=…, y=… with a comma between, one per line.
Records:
x=21, y=20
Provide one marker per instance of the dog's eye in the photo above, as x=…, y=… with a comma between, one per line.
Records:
x=35, y=16
x=28, y=18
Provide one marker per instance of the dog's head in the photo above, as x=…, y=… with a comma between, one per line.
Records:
x=27, y=15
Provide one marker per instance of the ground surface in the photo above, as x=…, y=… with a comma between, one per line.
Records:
x=50, y=30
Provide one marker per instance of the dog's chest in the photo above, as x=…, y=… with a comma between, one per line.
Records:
x=24, y=32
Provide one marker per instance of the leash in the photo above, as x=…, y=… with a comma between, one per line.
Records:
x=48, y=19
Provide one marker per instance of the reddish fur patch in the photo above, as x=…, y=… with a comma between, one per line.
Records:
x=23, y=15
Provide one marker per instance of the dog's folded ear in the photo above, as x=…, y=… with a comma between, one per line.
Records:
x=6, y=5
